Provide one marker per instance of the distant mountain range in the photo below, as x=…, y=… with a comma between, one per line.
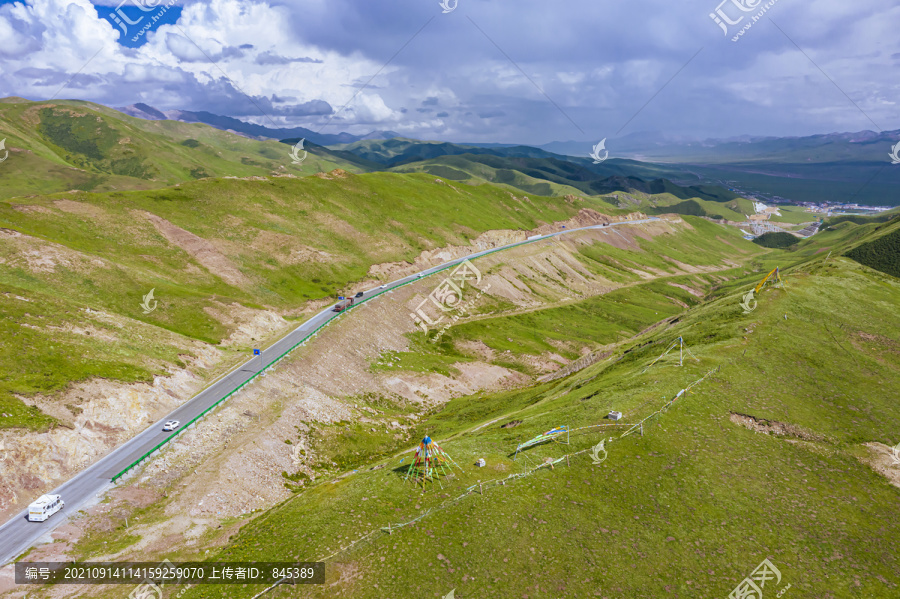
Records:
x=857, y=146
x=227, y=123
x=70, y=144
x=861, y=146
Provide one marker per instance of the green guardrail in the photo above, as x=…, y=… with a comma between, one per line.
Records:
x=301, y=342
x=267, y=366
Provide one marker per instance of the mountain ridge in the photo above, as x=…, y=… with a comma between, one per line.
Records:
x=227, y=123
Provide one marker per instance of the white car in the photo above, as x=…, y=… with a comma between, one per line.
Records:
x=171, y=425
x=420, y=275
x=382, y=286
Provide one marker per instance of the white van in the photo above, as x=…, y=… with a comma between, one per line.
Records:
x=44, y=507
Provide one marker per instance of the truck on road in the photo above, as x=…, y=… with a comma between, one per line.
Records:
x=343, y=305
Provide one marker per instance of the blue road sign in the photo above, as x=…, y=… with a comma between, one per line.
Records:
x=256, y=352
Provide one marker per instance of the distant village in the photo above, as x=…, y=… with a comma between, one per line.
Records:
x=830, y=208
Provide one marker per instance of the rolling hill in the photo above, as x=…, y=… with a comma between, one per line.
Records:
x=273, y=244
x=73, y=145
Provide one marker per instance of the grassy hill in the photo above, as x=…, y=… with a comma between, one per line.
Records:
x=529, y=169
x=762, y=458
x=776, y=240
x=548, y=176
x=399, y=151
x=74, y=145
x=274, y=243
x=64, y=145
x=881, y=253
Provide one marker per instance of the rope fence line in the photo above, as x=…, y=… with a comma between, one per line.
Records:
x=547, y=463
x=639, y=426
x=480, y=486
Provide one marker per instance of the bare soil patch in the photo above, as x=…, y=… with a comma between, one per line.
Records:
x=200, y=249
x=884, y=460
x=773, y=427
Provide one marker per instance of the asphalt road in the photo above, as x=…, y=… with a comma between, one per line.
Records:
x=18, y=534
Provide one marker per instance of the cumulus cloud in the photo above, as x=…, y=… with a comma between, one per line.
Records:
x=588, y=71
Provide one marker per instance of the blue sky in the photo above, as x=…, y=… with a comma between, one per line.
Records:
x=507, y=72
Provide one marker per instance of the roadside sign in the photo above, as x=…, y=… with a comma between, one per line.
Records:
x=256, y=352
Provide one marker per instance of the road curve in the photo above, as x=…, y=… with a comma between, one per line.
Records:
x=18, y=534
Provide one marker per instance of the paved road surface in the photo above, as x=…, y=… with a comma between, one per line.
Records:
x=18, y=534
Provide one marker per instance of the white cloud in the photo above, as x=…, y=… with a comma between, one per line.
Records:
x=599, y=62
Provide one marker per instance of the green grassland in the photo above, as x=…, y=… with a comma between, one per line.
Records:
x=606, y=319
x=549, y=175
x=115, y=256
x=665, y=202
x=459, y=168
x=573, y=328
x=66, y=144
x=688, y=509
x=794, y=215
